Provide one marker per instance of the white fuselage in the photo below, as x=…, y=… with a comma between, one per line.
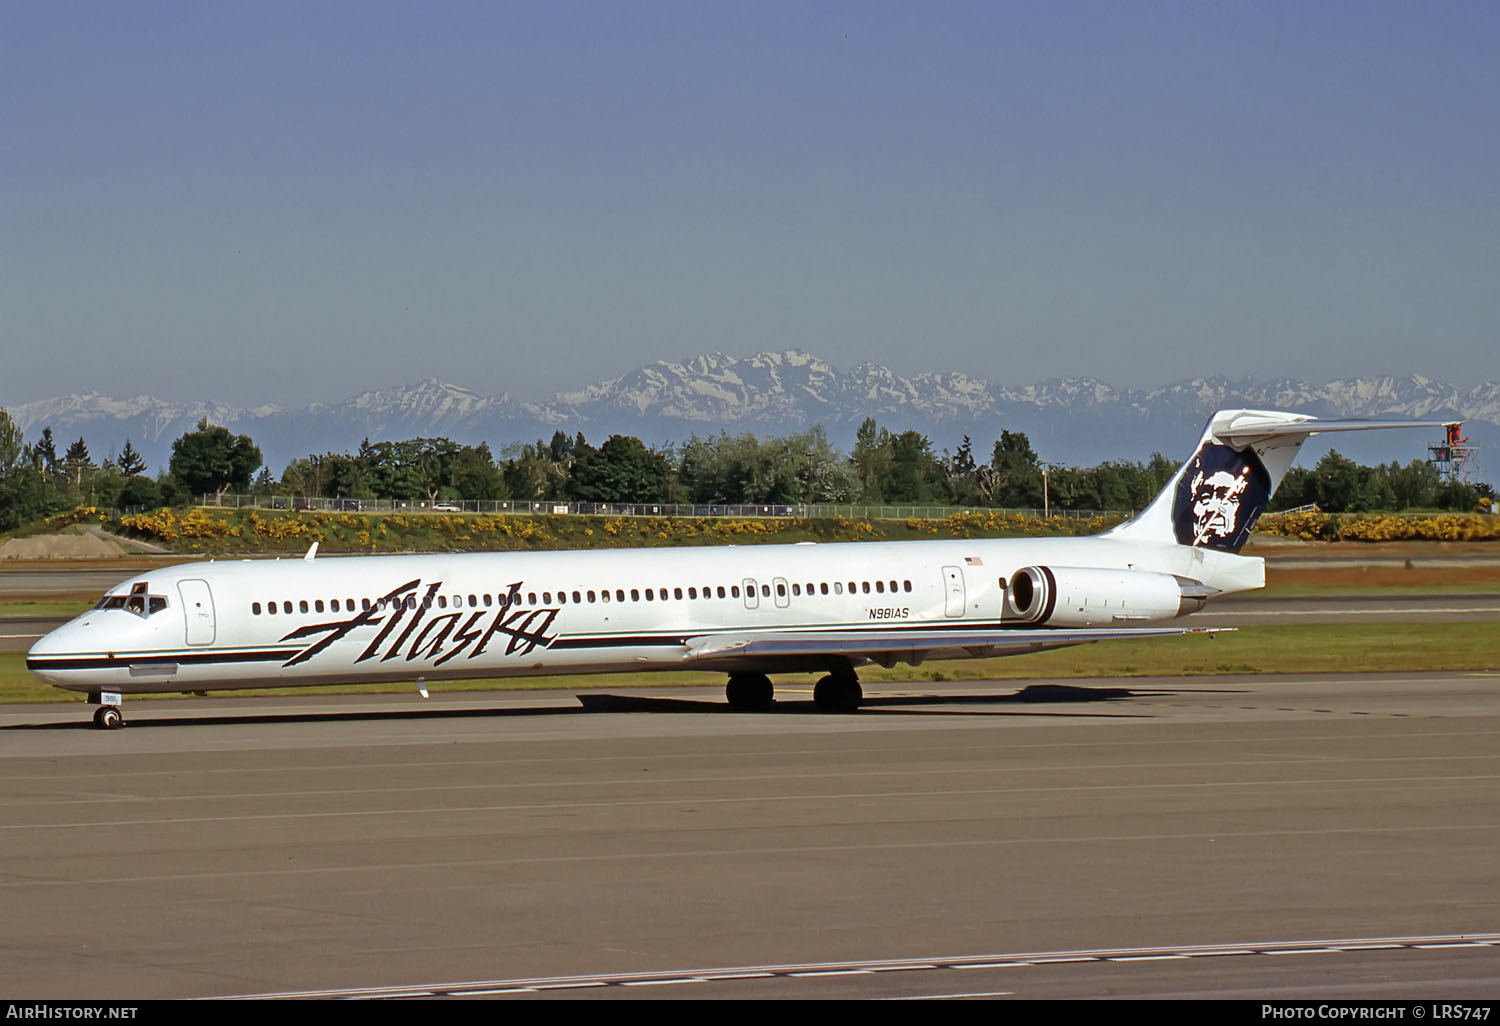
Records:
x=366, y=619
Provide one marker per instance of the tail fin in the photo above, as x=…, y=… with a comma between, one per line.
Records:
x=1215, y=498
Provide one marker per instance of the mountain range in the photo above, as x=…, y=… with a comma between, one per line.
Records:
x=1077, y=420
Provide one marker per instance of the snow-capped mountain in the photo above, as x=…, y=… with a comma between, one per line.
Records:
x=1072, y=420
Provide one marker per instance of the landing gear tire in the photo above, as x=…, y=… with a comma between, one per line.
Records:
x=748, y=691
x=838, y=693
x=108, y=717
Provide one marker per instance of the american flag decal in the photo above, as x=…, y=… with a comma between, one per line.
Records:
x=973, y=561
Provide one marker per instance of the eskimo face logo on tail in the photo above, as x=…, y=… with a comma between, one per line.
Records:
x=1219, y=497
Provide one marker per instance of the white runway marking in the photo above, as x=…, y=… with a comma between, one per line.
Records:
x=470, y=988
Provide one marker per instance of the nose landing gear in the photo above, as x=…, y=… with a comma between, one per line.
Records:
x=108, y=716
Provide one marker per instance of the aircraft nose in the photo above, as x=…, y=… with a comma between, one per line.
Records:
x=72, y=638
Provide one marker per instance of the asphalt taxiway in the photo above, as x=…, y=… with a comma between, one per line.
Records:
x=1329, y=835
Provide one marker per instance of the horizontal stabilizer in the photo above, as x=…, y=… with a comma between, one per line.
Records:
x=1249, y=429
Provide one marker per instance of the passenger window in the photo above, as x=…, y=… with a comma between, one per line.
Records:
x=838, y=587
x=880, y=587
x=619, y=594
x=734, y=589
x=677, y=593
x=823, y=587
x=603, y=595
x=255, y=608
x=721, y=591
x=271, y=608
x=577, y=597
x=907, y=585
x=318, y=605
x=692, y=593
x=648, y=594
x=635, y=595
x=286, y=606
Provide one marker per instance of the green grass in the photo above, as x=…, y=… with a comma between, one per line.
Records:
x=1312, y=648
x=62, y=605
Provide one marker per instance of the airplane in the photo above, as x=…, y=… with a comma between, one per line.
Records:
x=748, y=612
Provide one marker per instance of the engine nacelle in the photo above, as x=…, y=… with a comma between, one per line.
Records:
x=1071, y=596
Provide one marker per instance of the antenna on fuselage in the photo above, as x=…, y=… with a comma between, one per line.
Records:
x=312, y=552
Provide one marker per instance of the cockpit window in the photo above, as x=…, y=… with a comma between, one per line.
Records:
x=138, y=602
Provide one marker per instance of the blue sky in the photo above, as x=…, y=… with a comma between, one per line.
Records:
x=282, y=202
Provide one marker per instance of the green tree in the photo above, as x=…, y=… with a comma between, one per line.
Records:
x=1338, y=484
x=914, y=473
x=211, y=459
x=44, y=454
x=1018, y=472
x=77, y=463
x=131, y=462
x=622, y=470
x=871, y=459
x=473, y=474
x=12, y=446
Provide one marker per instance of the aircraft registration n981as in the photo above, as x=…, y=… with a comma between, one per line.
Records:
x=746, y=611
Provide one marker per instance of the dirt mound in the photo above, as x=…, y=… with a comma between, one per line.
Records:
x=60, y=546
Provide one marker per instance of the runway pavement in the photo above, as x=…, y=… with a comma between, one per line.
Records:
x=1210, y=837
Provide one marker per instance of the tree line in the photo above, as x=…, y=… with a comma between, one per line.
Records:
x=882, y=468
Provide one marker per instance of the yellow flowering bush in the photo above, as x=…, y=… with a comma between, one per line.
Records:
x=1381, y=527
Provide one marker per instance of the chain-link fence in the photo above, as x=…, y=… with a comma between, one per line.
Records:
x=560, y=507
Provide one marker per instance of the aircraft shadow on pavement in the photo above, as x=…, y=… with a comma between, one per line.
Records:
x=1017, y=703
x=1033, y=695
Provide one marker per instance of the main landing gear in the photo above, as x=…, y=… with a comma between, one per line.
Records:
x=749, y=691
x=837, y=692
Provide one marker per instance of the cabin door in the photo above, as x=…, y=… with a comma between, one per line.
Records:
x=953, y=589
x=198, y=608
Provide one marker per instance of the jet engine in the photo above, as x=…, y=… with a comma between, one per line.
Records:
x=1070, y=596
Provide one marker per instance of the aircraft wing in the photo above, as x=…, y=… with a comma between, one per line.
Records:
x=896, y=645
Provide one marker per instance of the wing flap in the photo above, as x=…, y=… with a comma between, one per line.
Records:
x=896, y=645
